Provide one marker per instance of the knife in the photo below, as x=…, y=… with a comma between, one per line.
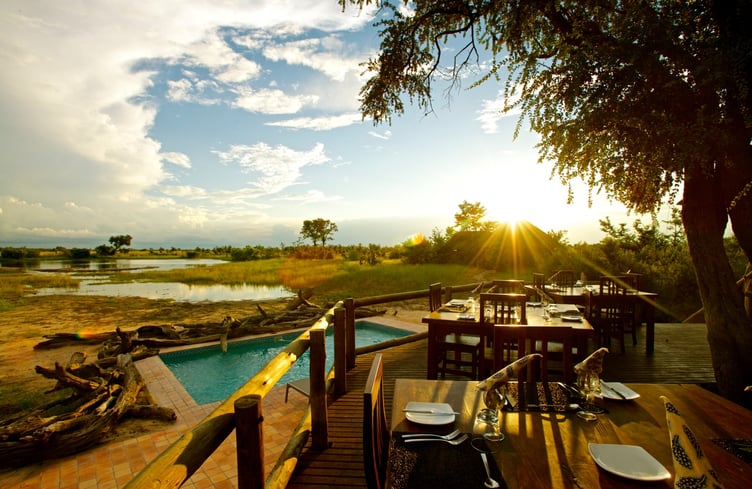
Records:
x=429, y=411
x=611, y=389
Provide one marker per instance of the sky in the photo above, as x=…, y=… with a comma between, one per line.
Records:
x=197, y=123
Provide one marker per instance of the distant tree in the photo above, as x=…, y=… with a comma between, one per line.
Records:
x=104, y=250
x=80, y=253
x=470, y=217
x=318, y=230
x=119, y=241
x=641, y=100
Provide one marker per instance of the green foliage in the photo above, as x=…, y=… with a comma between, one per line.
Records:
x=120, y=241
x=85, y=253
x=318, y=230
x=18, y=253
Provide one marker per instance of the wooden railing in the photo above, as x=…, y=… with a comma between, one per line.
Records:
x=243, y=409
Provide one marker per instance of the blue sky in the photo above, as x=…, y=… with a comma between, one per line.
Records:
x=184, y=123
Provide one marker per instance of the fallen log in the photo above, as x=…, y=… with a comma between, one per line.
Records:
x=66, y=378
x=95, y=413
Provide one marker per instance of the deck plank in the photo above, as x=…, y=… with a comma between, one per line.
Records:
x=681, y=355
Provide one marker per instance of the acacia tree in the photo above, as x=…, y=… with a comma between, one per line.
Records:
x=470, y=217
x=647, y=101
x=318, y=230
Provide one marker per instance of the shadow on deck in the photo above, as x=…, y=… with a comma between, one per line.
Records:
x=681, y=356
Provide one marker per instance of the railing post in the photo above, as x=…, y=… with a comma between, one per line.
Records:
x=448, y=294
x=350, y=332
x=250, y=442
x=319, y=421
x=340, y=352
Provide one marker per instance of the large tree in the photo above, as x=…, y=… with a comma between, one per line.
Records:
x=318, y=230
x=647, y=101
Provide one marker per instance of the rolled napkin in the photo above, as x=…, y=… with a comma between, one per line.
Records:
x=506, y=373
x=592, y=364
x=692, y=468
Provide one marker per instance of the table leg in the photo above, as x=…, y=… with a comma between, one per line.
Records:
x=432, y=374
x=649, y=327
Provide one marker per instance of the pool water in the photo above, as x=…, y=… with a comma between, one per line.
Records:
x=209, y=375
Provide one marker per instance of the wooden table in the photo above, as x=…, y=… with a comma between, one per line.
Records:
x=643, y=301
x=441, y=323
x=537, y=444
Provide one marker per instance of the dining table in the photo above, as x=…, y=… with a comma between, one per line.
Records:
x=453, y=318
x=644, y=303
x=550, y=446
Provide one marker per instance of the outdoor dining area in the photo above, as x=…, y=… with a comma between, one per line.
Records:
x=550, y=420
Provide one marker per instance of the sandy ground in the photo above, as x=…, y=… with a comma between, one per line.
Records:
x=25, y=326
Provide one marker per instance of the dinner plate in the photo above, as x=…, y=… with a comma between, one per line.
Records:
x=436, y=415
x=456, y=303
x=572, y=318
x=612, y=390
x=629, y=461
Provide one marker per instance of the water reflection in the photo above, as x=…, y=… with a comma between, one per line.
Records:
x=173, y=290
x=93, y=282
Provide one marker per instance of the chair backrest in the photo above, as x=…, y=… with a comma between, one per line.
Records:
x=375, y=428
x=434, y=296
x=610, y=285
x=539, y=284
x=498, y=308
x=563, y=278
x=554, y=344
x=509, y=286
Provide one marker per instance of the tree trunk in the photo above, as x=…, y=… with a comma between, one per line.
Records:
x=729, y=331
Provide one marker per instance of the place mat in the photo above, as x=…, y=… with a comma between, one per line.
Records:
x=437, y=464
x=740, y=448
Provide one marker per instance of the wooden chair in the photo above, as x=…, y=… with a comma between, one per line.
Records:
x=508, y=286
x=459, y=354
x=563, y=278
x=555, y=345
x=375, y=427
x=498, y=308
x=539, y=284
x=434, y=296
x=611, y=313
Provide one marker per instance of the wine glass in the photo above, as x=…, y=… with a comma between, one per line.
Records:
x=589, y=385
x=488, y=417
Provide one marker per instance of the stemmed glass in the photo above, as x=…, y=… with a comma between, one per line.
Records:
x=589, y=385
x=489, y=416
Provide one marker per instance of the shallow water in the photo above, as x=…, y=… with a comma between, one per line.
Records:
x=98, y=284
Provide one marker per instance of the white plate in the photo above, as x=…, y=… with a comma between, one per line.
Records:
x=610, y=390
x=436, y=418
x=572, y=318
x=630, y=461
x=456, y=303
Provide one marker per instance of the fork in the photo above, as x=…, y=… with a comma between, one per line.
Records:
x=455, y=441
x=449, y=436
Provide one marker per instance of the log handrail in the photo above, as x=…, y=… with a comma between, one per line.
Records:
x=182, y=458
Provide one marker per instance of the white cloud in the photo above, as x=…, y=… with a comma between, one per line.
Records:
x=178, y=159
x=310, y=197
x=268, y=101
x=319, y=123
x=277, y=167
x=385, y=135
x=328, y=55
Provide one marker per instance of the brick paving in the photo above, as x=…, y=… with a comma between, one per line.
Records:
x=114, y=464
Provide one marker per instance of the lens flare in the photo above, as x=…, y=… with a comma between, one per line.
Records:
x=416, y=239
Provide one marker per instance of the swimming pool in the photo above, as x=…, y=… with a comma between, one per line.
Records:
x=209, y=375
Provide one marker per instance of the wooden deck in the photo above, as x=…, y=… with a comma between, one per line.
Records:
x=681, y=356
